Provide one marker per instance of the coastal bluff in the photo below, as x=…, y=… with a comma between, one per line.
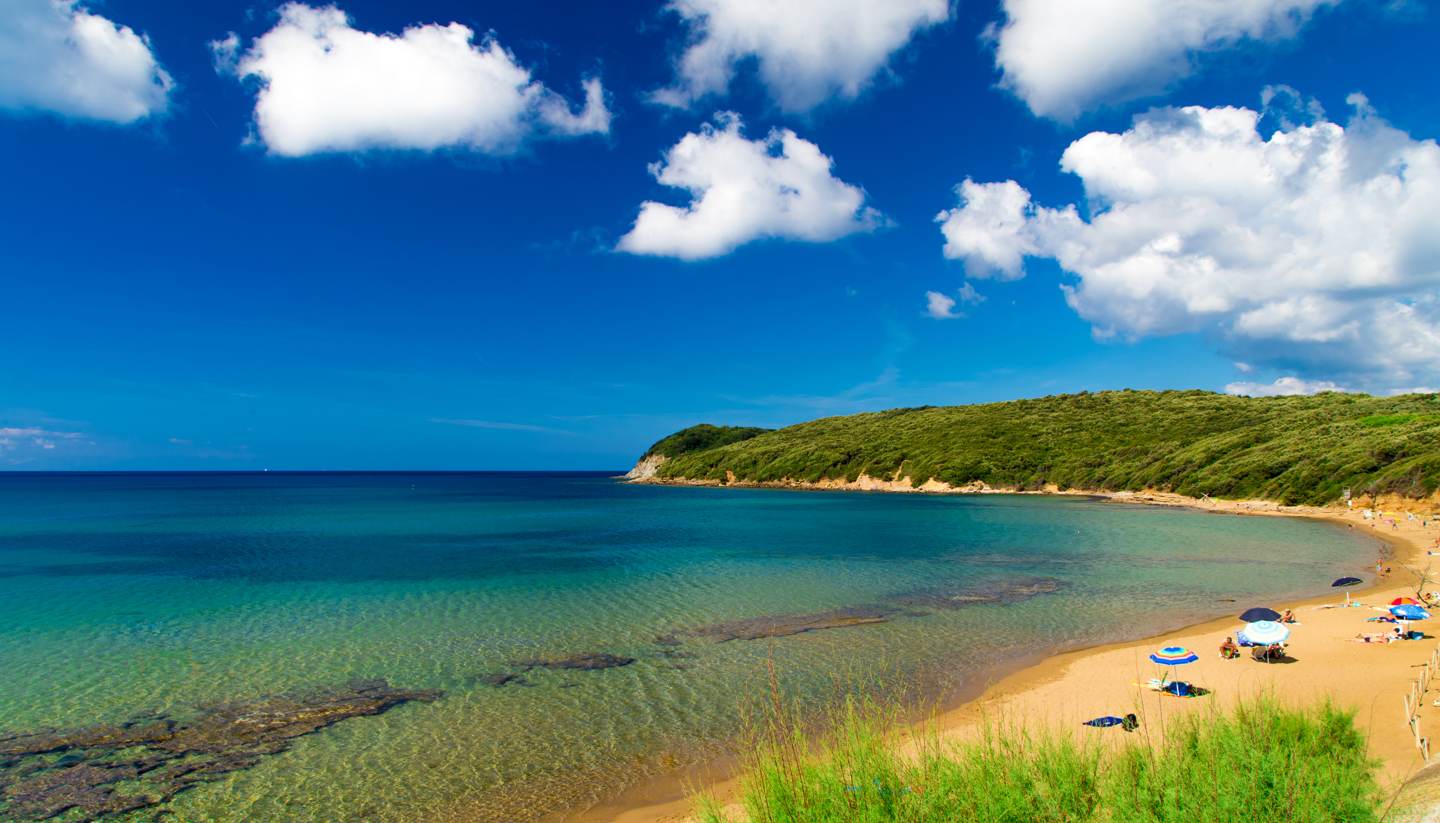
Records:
x=1293, y=450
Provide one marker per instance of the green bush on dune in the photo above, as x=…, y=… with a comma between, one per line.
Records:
x=1263, y=761
x=701, y=437
x=1290, y=449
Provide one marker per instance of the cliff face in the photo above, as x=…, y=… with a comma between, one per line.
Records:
x=646, y=468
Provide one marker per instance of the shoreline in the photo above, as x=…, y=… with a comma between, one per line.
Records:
x=1100, y=679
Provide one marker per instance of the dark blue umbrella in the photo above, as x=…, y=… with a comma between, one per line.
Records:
x=1347, y=581
x=1259, y=613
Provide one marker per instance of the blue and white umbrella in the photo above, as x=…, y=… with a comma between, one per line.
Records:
x=1264, y=633
x=1410, y=612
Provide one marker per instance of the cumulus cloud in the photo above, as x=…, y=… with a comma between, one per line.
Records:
x=1312, y=249
x=805, y=51
x=325, y=86
x=57, y=57
x=1064, y=57
x=940, y=306
x=743, y=190
x=1283, y=387
x=968, y=294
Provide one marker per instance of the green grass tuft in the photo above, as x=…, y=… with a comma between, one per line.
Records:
x=1263, y=761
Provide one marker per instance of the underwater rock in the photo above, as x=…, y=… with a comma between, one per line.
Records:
x=588, y=661
x=904, y=605
x=499, y=679
x=1010, y=591
x=158, y=757
x=784, y=625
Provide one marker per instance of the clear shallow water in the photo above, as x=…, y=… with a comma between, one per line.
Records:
x=127, y=594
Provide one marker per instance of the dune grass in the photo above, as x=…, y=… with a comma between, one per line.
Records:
x=1261, y=761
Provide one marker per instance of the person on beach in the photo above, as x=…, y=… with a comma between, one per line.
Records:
x=1287, y=617
x=1228, y=649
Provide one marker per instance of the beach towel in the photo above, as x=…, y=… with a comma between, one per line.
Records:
x=1105, y=722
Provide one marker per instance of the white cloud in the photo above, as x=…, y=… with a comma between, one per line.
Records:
x=1064, y=57
x=940, y=306
x=969, y=295
x=19, y=443
x=326, y=86
x=1283, y=386
x=1313, y=249
x=225, y=53
x=805, y=51
x=57, y=57
x=743, y=190
x=987, y=229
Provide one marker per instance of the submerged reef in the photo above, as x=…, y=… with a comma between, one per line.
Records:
x=1010, y=591
x=107, y=769
x=909, y=604
x=586, y=661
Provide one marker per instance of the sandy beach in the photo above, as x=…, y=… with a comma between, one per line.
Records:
x=1060, y=692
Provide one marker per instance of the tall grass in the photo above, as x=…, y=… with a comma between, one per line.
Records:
x=1262, y=761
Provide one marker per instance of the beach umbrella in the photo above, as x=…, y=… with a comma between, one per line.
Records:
x=1404, y=601
x=1257, y=614
x=1347, y=581
x=1174, y=656
x=1410, y=612
x=1265, y=633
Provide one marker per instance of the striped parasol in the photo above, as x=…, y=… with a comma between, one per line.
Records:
x=1264, y=633
x=1174, y=656
x=1405, y=601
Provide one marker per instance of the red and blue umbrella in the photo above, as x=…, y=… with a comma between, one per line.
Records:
x=1174, y=656
x=1410, y=612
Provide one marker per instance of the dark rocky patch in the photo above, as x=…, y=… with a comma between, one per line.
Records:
x=1010, y=591
x=784, y=625
x=500, y=679
x=164, y=755
x=587, y=661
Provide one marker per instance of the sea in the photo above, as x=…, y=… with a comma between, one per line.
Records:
x=576, y=636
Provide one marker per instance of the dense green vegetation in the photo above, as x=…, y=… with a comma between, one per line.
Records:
x=1263, y=761
x=701, y=437
x=1290, y=449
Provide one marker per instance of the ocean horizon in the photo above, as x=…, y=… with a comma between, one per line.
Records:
x=548, y=640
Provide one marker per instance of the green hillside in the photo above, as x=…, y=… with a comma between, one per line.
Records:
x=1289, y=449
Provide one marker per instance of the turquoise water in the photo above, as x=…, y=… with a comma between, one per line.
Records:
x=129, y=594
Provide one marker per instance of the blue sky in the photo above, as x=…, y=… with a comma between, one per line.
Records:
x=254, y=255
